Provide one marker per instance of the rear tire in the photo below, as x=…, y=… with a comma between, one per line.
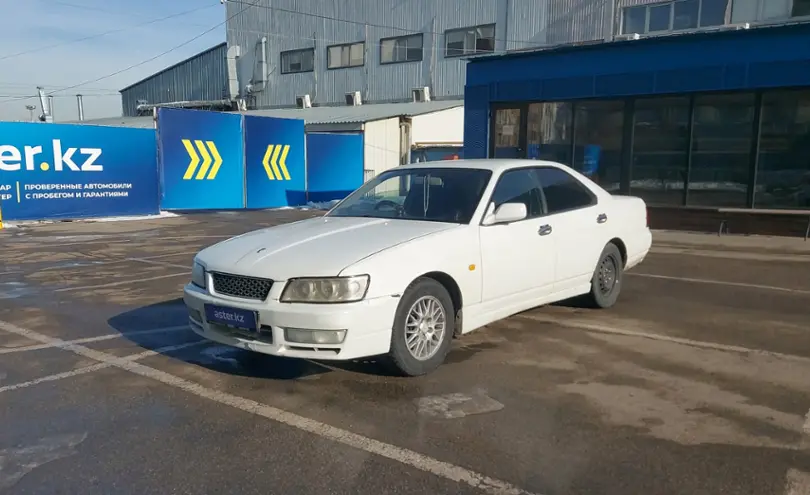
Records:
x=423, y=328
x=606, y=283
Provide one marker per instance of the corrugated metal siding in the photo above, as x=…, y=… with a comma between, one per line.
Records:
x=577, y=20
x=204, y=77
x=382, y=145
x=519, y=24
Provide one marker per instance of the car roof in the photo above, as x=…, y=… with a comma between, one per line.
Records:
x=494, y=164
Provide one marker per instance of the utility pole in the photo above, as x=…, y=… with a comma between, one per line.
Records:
x=31, y=109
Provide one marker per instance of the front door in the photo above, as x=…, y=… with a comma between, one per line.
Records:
x=518, y=258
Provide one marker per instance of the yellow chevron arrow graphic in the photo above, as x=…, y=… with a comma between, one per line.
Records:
x=266, y=161
x=206, y=160
x=195, y=160
x=283, y=162
x=217, y=160
x=274, y=161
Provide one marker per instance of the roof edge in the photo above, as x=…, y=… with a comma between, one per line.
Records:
x=177, y=64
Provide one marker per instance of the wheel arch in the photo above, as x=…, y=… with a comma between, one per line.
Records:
x=622, y=249
x=452, y=287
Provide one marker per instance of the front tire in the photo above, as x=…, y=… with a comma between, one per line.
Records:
x=606, y=283
x=423, y=328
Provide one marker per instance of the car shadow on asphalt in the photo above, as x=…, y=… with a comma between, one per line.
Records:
x=220, y=358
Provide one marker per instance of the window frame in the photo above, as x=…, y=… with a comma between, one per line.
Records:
x=421, y=37
x=297, y=50
x=469, y=29
x=539, y=183
x=671, y=28
x=349, y=46
x=594, y=198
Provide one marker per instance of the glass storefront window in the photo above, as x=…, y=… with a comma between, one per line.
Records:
x=598, y=141
x=549, y=132
x=507, y=133
x=721, y=149
x=783, y=171
x=660, y=150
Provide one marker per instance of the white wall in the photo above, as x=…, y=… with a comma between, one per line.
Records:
x=381, y=142
x=445, y=126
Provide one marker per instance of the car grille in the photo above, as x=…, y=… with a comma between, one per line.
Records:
x=239, y=286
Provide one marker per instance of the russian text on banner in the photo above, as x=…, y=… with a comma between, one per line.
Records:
x=61, y=171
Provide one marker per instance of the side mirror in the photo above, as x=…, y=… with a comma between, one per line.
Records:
x=507, y=213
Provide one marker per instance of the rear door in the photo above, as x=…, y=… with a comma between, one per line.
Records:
x=580, y=227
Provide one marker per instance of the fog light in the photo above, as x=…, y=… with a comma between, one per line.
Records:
x=302, y=336
x=195, y=315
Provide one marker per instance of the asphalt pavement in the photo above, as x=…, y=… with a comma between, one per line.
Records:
x=696, y=382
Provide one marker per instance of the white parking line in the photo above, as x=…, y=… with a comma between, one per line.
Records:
x=123, y=282
x=601, y=328
x=402, y=455
x=99, y=366
x=719, y=282
x=86, y=340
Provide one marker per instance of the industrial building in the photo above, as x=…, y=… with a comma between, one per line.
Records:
x=714, y=124
x=200, y=81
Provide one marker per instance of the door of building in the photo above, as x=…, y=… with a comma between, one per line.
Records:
x=508, y=132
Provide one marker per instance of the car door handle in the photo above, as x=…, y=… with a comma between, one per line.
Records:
x=602, y=218
x=544, y=230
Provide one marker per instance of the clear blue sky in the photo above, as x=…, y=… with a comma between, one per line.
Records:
x=36, y=25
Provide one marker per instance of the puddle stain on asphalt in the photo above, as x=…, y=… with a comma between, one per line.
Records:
x=15, y=290
x=18, y=461
x=457, y=405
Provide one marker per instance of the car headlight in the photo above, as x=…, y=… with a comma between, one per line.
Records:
x=198, y=275
x=326, y=290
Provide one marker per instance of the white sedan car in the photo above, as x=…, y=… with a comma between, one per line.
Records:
x=415, y=257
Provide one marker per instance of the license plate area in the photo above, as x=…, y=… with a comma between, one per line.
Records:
x=243, y=320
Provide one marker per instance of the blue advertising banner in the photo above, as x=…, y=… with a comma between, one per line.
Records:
x=275, y=162
x=201, y=160
x=60, y=171
x=334, y=165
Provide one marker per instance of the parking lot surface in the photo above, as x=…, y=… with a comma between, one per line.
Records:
x=696, y=382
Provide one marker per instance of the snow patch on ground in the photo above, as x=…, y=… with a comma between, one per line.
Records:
x=25, y=223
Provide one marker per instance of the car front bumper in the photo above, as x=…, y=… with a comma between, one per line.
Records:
x=367, y=323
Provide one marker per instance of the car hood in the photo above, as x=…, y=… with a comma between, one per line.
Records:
x=316, y=247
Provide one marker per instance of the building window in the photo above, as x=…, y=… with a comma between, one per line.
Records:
x=762, y=10
x=801, y=8
x=549, y=133
x=721, y=150
x=294, y=61
x=468, y=41
x=783, y=171
x=346, y=55
x=401, y=49
x=598, y=137
x=660, y=149
x=675, y=15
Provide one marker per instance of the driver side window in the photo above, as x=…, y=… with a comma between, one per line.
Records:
x=519, y=186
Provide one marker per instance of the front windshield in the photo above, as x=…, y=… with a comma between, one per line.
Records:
x=430, y=194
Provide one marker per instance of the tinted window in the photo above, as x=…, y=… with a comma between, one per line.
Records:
x=519, y=186
x=426, y=194
x=563, y=192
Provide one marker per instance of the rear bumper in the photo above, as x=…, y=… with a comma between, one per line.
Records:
x=637, y=248
x=367, y=323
